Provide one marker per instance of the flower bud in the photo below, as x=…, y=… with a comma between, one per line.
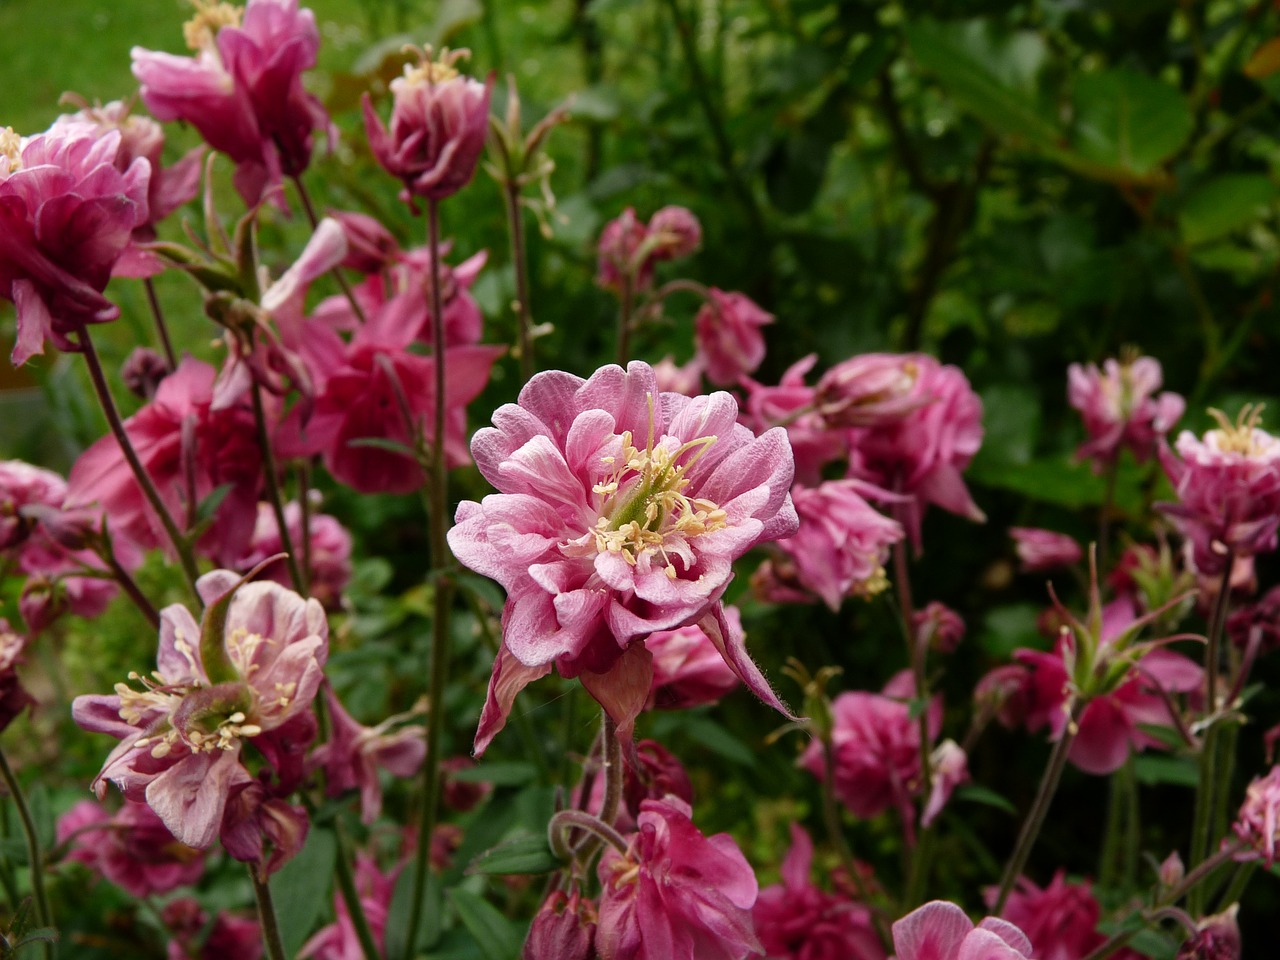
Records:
x=563, y=929
x=42, y=602
x=1172, y=871
x=143, y=371
x=675, y=233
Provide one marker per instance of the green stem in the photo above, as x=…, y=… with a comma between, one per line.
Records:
x=162, y=329
x=273, y=489
x=44, y=915
x=918, y=653
x=267, y=916
x=831, y=818
x=304, y=510
x=520, y=261
x=351, y=894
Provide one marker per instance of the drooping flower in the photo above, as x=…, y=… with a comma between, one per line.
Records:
x=251, y=666
x=132, y=849
x=937, y=627
x=439, y=121
x=1060, y=920
x=792, y=404
x=1041, y=550
x=329, y=551
x=674, y=233
x=13, y=695
x=563, y=929
x=942, y=931
x=1216, y=938
x=728, y=336
x=66, y=216
x=688, y=670
x=620, y=257
x=620, y=512
x=1258, y=822
x=228, y=937
x=1120, y=408
x=675, y=894
x=797, y=920
x=872, y=389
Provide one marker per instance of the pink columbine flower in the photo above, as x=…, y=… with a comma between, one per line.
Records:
x=728, y=336
x=792, y=404
x=1258, y=822
x=563, y=929
x=675, y=894
x=13, y=695
x=1060, y=920
x=674, y=233
x=1042, y=550
x=243, y=87
x=371, y=247
x=621, y=259
x=132, y=849
x=1120, y=408
x=228, y=937
x=870, y=390
x=1228, y=488
x=620, y=512
x=797, y=920
x=688, y=670
x=938, y=627
x=843, y=542
x=439, y=121
x=253, y=665
x=942, y=931
x=924, y=452
x=329, y=551
x=66, y=216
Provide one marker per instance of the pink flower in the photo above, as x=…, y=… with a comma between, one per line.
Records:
x=1120, y=408
x=674, y=379
x=938, y=627
x=243, y=88
x=439, y=121
x=1061, y=921
x=675, y=894
x=793, y=405
x=1041, y=550
x=1216, y=938
x=688, y=670
x=797, y=920
x=924, y=452
x=727, y=332
x=218, y=683
x=132, y=849
x=949, y=766
x=13, y=696
x=370, y=246
x=563, y=929
x=843, y=542
x=1258, y=822
x=601, y=542
x=1228, y=488
x=621, y=258
x=66, y=216
x=942, y=931
x=675, y=233
x=228, y=938
x=339, y=941
x=329, y=551
x=870, y=390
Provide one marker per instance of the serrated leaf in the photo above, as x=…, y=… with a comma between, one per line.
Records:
x=495, y=935
x=1225, y=204
x=300, y=889
x=529, y=854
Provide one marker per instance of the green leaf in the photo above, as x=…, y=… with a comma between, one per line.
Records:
x=530, y=854
x=991, y=73
x=718, y=739
x=1225, y=204
x=300, y=889
x=512, y=774
x=382, y=443
x=497, y=937
x=1127, y=122
x=210, y=504
x=429, y=928
x=1011, y=419
x=973, y=793
x=1008, y=628
x=1181, y=771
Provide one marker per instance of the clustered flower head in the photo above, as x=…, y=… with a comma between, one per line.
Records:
x=628, y=248
x=1121, y=409
x=1060, y=920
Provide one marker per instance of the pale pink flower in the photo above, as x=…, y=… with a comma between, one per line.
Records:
x=620, y=512
x=688, y=670
x=942, y=931
x=439, y=121
x=1120, y=408
x=620, y=257
x=675, y=894
x=728, y=336
x=1258, y=822
x=949, y=766
x=1042, y=550
x=674, y=233
x=66, y=216
x=843, y=542
x=674, y=379
x=869, y=390
x=132, y=849
x=791, y=404
x=329, y=551
x=796, y=920
x=1061, y=920
x=253, y=665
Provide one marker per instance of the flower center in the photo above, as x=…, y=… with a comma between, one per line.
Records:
x=10, y=150
x=210, y=17
x=430, y=72
x=1245, y=435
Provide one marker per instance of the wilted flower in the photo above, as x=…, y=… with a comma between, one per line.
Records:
x=439, y=121
x=688, y=670
x=1041, y=550
x=600, y=542
x=942, y=931
x=675, y=894
x=727, y=332
x=132, y=849
x=1258, y=822
x=869, y=390
x=1120, y=408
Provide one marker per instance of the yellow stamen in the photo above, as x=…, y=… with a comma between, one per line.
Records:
x=1238, y=437
x=210, y=17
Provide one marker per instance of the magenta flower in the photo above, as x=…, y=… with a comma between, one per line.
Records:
x=439, y=121
x=688, y=670
x=843, y=542
x=620, y=257
x=797, y=920
x=563, y=929
x=728, y=336
x=1042, y=550
x=1258, y=822
x=371, y=247
x=132, y=849
x=674, y=233
x=66, y=216
x=329, y=551
x=601, y=542
x=1228, y=488
x=870, y=390
x=1216, y=938
x=1061, y=920
x=793, y=404
x=1120, y=408
x=675, y=894
x=217, y=684
x=942, y=931
x=243, y=88
x=13, y=695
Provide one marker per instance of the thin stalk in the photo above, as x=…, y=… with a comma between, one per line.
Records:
x=44, y=915
x=520, y=261
x=611, y=764
x=438, y=528
x=1036, y=816
x=130, y=588
x=304, y=510
x=1104, y=517
x=599, y=832
x=185, y=557
x=918, y=652
x=267, y=916
x=351, y=895
x=336, y=272
x=625, y=306
x=273, y=488
x=162, y=329
x=831, y=818
x=1240, y=878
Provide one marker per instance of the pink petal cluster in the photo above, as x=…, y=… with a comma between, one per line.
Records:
x=843, y=542
x=228, y=937
x=243, y=88
x=728, y=336
x=1228, y=489
x=942, y=931
x=1120, y=408
x=872, y=389
x=675, y=894
x=1060, y=920
x=66, y=216
x=793, y=405
x=628, y=249
x=938, y=627
x=1216, y=938
x=688, y=670
x=1041, y=550
x=563, y=929
x=329, y=551
x=439, y=121
x=1258, y=822
x=132, y=849
x=797, y=920
x=13, y=695
x=619, y=514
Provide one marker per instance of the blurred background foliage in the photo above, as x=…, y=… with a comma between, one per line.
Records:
x=1010, y=186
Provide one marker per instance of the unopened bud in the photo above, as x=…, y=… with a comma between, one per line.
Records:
x=143, y=371
x=564, y=929
x=1172, y=871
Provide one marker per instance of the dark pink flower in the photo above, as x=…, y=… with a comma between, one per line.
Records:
x=621, y=258
x=870, y=390
x=675, y=894
x=329, y=551
x=13, y=695
x=942, y=931
x=1061, y=920
x=688, y=670
x=674, y=232
x=797, y=920
x=439, y=121
x=132, y=849
x=66, y=216
x=563, y=929
x=243, y=88
x=143, y=371
x=601, y=542
x=791, y=404
x=1258, y=822
x=194, y=938
x=370, y=246
x=1216, y=938
x=728, y=336
x=1120, y=408
x=657, y=773
x=1041, y=550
